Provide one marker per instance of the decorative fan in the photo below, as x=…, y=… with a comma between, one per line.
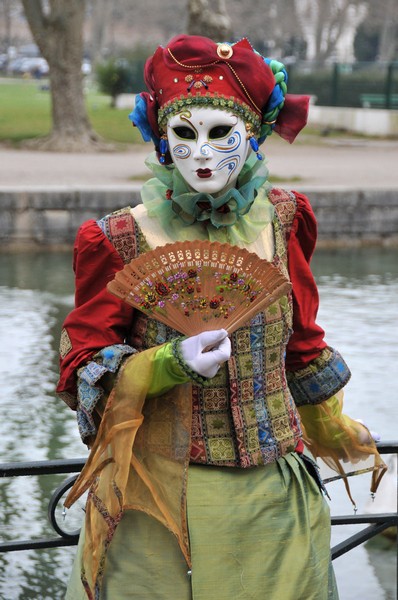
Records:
x=200, y=285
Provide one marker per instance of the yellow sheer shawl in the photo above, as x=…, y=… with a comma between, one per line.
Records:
x=139, y=460
x=345, y=445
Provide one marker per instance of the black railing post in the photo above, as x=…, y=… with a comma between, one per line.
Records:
x=389, y=85
x=335, y=84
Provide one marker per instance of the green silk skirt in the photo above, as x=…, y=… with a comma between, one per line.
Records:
x=261, y=533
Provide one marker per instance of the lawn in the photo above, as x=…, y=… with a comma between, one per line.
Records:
x=25, y=113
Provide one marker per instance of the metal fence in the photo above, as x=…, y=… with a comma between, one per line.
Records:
x=360, y=84
x=376, y=523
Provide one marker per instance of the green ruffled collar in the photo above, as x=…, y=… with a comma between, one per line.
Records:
x=237, y=217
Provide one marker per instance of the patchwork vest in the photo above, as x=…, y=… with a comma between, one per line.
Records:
x=245, y=415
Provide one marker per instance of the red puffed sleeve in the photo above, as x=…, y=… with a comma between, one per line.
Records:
x=99, y=319
x=307, y=340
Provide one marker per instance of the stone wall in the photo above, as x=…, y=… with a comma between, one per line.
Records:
x=49, y=218
x=349, y=217
x=365, y=121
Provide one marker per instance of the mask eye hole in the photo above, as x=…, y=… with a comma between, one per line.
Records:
x=185, y=133
x=219, y=131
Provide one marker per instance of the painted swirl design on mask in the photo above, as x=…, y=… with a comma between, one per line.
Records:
x=181, y=151
x=231, y=163
x=232, y=144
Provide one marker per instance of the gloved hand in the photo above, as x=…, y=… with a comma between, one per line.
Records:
x=363, y=437
x=205, y=352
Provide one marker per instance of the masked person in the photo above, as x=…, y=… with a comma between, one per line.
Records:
x=199, y=486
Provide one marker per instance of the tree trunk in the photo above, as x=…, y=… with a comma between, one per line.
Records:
x=58, y=32
x=212, y=22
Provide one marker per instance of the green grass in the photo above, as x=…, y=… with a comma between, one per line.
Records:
x=25, y=113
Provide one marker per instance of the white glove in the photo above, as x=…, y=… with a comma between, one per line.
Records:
x=373, y=434
x=205, y=352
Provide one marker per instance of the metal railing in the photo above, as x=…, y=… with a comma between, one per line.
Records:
x=358, y=84
x=47, y=467
x=376, y=523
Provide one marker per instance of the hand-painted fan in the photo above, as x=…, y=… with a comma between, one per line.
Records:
x=200, y=285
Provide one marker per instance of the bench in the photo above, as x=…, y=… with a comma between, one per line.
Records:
x=378, y=100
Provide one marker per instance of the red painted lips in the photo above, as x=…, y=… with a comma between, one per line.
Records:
x=204, y=173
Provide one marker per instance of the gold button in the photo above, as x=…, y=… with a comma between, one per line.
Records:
x=224, y=51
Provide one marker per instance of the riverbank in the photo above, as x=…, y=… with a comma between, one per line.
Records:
x=49, y=217
x=352, y=184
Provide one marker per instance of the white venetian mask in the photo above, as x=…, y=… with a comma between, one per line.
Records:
x=209, y=147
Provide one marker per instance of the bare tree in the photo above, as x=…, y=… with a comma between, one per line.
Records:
x=6, y=33
x=57, y=28
x=328, y=24
x=209, y=19
x=101, y=11
x=8, y=11
x=389, y=29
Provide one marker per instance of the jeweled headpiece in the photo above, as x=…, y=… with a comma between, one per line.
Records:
x=195, y=71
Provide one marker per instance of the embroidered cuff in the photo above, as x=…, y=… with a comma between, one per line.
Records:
x=167, y=372
x=320, y=380
x=107, y=360
x=176, y=351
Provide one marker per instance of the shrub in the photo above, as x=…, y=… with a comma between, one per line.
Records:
x=114, y=77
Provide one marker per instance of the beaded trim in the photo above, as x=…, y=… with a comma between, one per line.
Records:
x=176, y=352
x=190, y=66
x=214, y=63
x=231, y=104
x=243, y=87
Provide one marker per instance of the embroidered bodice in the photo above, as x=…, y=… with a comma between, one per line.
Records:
x=245, y=415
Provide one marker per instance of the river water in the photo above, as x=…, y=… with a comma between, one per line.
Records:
x=359, y=310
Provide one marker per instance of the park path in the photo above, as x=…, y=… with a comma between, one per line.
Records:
x=325, y=162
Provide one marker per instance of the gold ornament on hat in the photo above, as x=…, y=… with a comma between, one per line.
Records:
x=224, y=51
x=199, y=82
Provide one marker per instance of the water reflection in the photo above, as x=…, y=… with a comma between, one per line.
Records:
x=359, y=301
x=359, y=308
x=35, y=295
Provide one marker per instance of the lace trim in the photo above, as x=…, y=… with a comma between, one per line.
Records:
x=106, y=360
